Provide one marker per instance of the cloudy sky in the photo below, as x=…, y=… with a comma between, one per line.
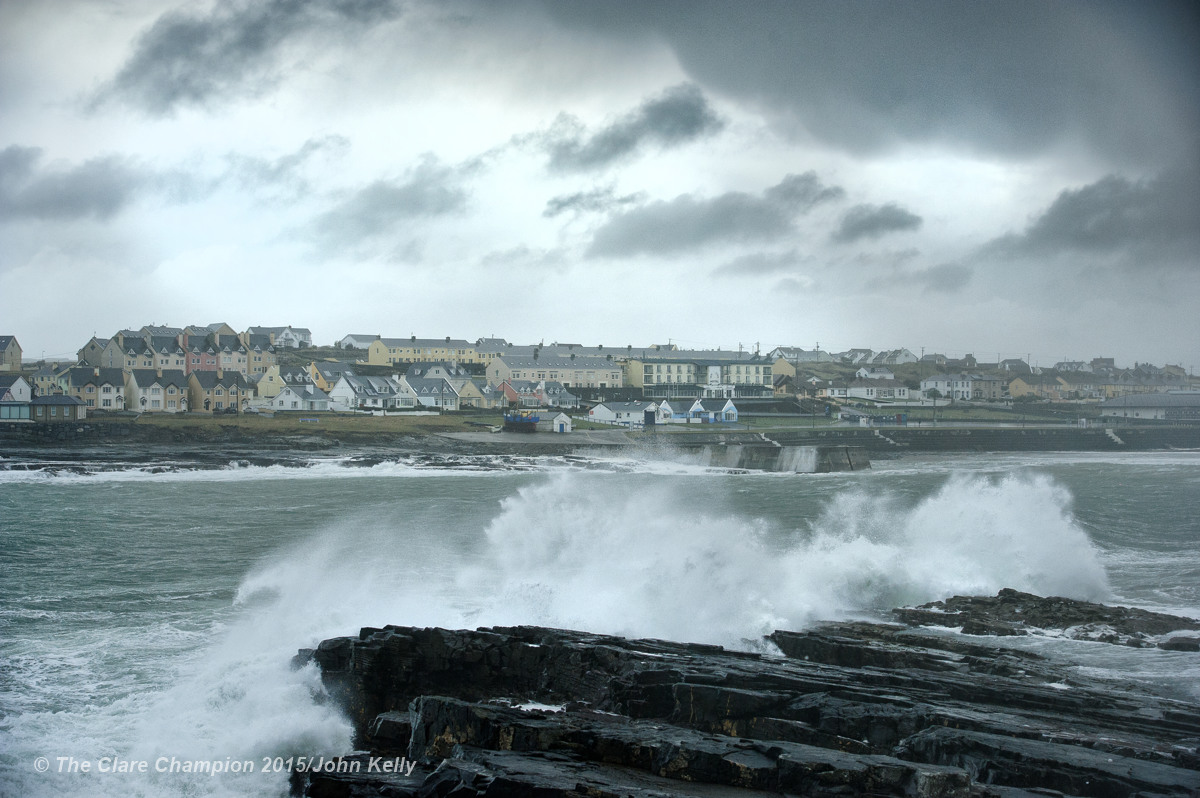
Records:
x=996, y=178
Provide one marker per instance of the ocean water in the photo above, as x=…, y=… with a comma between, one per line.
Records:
x=150, y=613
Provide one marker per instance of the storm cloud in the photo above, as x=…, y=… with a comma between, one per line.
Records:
x=233, y=50
x=677, y=116
x=873, y=221
x=382, y=207
x=758, y=264
x=1013, y=77
x=686, y=222
x=98, y=188
x=1157, y=218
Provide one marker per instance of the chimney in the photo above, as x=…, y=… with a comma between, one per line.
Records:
x=158, y=371
x=96, y=372
x=220, y=373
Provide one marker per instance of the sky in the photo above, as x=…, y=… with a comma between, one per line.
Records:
x=1005, y=179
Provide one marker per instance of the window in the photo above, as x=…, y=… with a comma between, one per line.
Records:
x=171, y=391
x=91, y=389
x=106, y=403
x=106, y=389
x=155, y=390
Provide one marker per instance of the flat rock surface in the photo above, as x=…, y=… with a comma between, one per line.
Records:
x=845, y=709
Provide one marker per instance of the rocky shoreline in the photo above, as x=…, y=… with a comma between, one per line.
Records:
x=851, y=708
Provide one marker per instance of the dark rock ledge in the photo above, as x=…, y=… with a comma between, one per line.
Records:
x=849, y=709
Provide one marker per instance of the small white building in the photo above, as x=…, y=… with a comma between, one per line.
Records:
x=555, y=422
x=623, y=414
x=299, y=397
x=875, y=373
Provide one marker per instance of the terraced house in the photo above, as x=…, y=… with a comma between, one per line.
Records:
x=390, y=351
x=98, y=388
x=156, y=391
x=572, y=372
x=217, y=391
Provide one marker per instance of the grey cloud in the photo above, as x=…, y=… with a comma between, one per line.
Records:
x=945, y=278
x=1013, y=77
x=98, y=188
x=679, y=115
x=191, y=58
x=759, y=264
x=873, y=221
x=286, y=170
x=431, y=189
x=597, y=200
x=1155, y=219
x=687, y=222
x=524, y=257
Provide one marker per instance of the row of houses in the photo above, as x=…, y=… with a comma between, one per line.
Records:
x=638, y=415
x=144, y=390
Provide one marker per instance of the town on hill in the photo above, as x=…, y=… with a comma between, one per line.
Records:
x=214, y=369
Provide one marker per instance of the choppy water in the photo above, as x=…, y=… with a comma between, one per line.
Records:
x=148, y=613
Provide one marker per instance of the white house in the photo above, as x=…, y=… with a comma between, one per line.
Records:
x=14, y=388
x=377, y=393
x=877, y=390
x=875, y=373
x=554, y=422
x=433, y=392
x=622, y=414
x=356, y=341
x=299, y=397
x=714, y=411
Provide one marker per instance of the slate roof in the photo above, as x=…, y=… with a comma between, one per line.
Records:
x=80, y=377
x=210, y=379
x=5, y=340
x=56, y=399
x=176, y=377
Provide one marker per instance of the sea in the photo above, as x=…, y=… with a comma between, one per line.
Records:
x=149, y=612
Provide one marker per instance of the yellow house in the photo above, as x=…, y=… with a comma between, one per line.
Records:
x=390, y=351
x=216, y=391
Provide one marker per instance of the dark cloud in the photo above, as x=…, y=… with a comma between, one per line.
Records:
x=945, y=278
x=873, y=221
x=759, y=264
x=1012, y=77
x=687, y=222
x=385, y=206
x=678, y=116
x=1157, y=219
x=192, y=58
x=598, y=200
x=98, y=188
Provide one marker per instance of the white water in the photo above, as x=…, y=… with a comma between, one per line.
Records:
x=615, y=552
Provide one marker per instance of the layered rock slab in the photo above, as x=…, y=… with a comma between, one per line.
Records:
x=848, y=709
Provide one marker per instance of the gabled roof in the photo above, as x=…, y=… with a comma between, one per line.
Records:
x=5, y=340
x=211, y=379
x=80, y=377
x=714, y=405
x=145, y=377
x=429, y=386
x=8, y=380
x=56, y=399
